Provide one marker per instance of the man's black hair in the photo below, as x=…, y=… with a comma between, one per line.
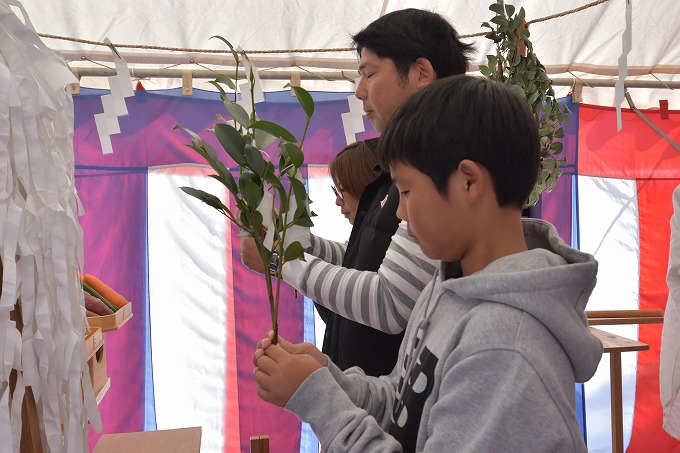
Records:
x=408, y=34
x=465, y=117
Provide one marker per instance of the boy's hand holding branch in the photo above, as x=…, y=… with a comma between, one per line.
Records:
x=281, y=368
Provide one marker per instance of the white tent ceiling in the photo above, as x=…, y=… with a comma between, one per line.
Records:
x=582, y=45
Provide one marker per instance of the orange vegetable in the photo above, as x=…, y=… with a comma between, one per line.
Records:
x=105, y=290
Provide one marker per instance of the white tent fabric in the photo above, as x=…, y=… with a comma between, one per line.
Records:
x=582, y=45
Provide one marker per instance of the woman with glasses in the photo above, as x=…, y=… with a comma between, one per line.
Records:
x=352, y=170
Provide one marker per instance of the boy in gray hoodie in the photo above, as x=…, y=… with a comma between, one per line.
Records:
x=498, y=339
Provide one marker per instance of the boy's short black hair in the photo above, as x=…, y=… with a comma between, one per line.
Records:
x=405, y=35
x=463, y=117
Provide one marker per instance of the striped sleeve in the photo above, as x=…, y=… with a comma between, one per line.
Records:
x=327, y=250
x=383, y=299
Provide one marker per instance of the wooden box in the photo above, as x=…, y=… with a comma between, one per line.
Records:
x=97, y=366
x=112, y=322
x=93, y=340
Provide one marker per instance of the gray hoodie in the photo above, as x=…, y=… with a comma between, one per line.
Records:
x=491, y=360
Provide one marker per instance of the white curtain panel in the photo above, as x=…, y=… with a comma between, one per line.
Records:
x=188, y=298
x=608, y=221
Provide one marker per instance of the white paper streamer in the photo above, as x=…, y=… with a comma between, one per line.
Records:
x=353, y=121
x=248, y=97
x=258, y=93
x=41, y=244
x=114, y=103
x=626, y=45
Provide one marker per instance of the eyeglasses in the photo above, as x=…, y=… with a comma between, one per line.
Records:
x=338, y=192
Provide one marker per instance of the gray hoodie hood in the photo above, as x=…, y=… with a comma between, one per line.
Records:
x=541, y=283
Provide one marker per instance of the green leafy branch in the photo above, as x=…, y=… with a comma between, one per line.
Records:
x=271, y=202
x=525, y=72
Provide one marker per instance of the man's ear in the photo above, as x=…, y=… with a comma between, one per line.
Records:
x=425, y=73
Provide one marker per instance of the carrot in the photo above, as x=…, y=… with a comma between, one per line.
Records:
x=102, y=288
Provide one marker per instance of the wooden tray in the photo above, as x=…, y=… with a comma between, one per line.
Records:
x=112, y=322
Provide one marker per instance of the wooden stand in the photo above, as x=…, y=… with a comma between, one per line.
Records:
x=614, y=345
x=182, y=440
x=30, y=432
x=95, y=344
x=259, y=444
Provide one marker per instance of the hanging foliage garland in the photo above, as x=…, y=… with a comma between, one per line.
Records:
x=516, y=64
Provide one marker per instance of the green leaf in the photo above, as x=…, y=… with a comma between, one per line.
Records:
x=232, y=141
x=239, y=113
x=293, y=251
x=557, y=147
x=533, y=96
x=545, y=130
x=243, y=216
x=206, y=151
x=255, y=222
x=510, y=10
x=255, y=159
x=293, y=152
x=299, y=190
x=486, y=72
x=263, y=139
x=223, y=94
x=207, y=198
x=522, y=15
x=274, y=129
x=194, y=135
x=516, y=23
x=224, y=79
x=304, y=221
x=228, y=181
x=287, y=170
x=274, y=181
x=496, y=8
x=245, y=176
x=533, y=198
x=305, y=100
x=233, y=52
x=492, y=61
x=500, y=21
x=251, y=190
x=268, y=168
x=300, y=196
x=518, y=89
x=516, y=59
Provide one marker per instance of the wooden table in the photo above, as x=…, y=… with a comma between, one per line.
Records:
x=614, y=345
x=181, y=440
